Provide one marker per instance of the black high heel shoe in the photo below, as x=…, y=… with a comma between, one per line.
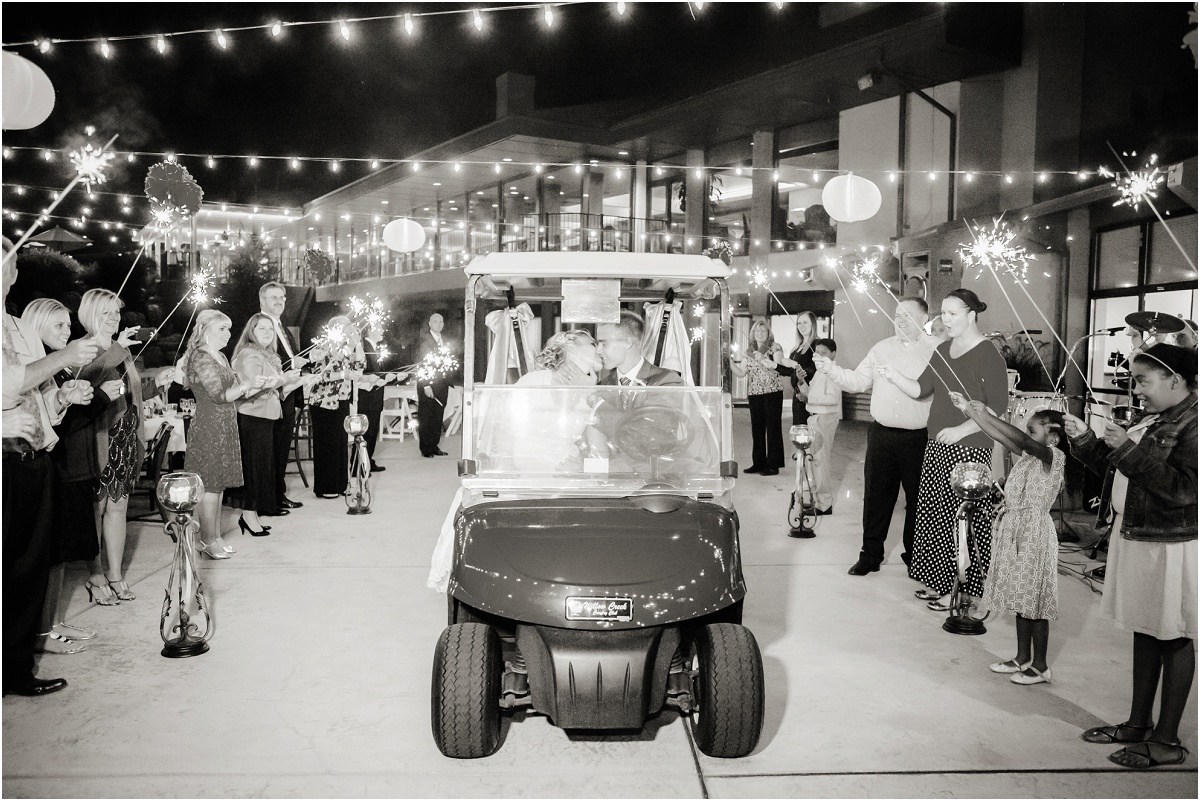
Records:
x=245, y=527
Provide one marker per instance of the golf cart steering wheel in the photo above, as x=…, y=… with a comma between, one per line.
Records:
x=653, y=431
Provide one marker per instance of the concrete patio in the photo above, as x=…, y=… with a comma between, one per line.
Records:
x=317, y=682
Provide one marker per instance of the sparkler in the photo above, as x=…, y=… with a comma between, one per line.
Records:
x=90, y=163
x=994, y=250
x=1138, y=186
x=95, y=170
x=697, y=334
x=198, y=294
x=759, y=279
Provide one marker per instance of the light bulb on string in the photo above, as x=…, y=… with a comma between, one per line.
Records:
x=344, y=30
x=222, y=40
x=408, y=24
x=477, y=20
x=620, y=9
x=160, y=44
x=254, y=161
x=105, y=48
x=276, y=28
x=210, y=162
x=548, y=15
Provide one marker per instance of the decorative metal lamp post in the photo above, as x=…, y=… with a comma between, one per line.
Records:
x=802, y=437
x=179, y=493
x=971, y=482
x=358, y=489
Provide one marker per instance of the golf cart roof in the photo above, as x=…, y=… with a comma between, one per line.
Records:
x=558, y=264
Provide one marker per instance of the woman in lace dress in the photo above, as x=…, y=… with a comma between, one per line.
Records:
x=119, y=446
x=337, y=363
x=214, y=450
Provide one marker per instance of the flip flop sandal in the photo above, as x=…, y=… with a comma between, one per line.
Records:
x=926, y=595
x=1128, y=757
x=1108, y=735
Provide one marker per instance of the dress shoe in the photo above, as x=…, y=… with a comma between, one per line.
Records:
x=377, y=468
x=809, y=510
x=752, y=469
x=862, y=568
x=277, y=513
x=36, y=687
x=288, y=503
x=440, y=452
x=428, y=455
x=769, y=471
x=327, y=495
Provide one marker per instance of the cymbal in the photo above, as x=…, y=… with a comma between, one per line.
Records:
x=1157, y=322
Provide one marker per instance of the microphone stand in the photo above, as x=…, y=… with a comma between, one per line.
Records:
x=1088, y=396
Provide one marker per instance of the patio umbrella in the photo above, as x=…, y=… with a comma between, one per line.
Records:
x=61, y=240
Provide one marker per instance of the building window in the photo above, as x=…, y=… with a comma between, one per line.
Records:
x=800, y=216
x=1136, y=268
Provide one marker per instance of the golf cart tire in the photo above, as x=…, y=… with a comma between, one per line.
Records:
x=466, y=691
x=729, y=691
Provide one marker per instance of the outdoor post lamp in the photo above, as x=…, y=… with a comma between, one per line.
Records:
x=802, y=437
x=358, y=490
x=179, y=493
x=971, y=482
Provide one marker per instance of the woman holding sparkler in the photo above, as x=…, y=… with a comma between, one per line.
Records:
x=337, y=361
x=765, y=395
x=119, y=445
x=799, y=367
x=214, y=452
x=968, y=364
x=257, y=355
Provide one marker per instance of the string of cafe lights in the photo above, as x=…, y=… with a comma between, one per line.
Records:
x=779, y=173
x=342, y=27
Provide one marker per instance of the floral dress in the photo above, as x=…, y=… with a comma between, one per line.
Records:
x=119, y=440
x=214, y=449
x=1024, y=569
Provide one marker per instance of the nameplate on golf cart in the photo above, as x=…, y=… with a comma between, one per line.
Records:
x=620, y=609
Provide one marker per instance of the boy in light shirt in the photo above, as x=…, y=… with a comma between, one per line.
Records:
x=825, y=411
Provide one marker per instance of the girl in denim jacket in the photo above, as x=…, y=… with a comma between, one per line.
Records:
x=1150, y=581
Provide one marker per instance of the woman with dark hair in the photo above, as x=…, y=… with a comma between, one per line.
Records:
x=1150, y=578
x=968, y=364
x=256, y=355
x=337, y=366
x=765, y=396
x=798, y=365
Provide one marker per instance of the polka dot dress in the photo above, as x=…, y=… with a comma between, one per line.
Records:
x=933, y=541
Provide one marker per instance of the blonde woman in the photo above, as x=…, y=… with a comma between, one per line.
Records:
x=214, y=451
x=765, y=395
x=119, y=447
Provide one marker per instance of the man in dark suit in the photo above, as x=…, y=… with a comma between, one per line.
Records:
x=432, y=393
x=272, y=297
x=370, y=393
x=620, y=348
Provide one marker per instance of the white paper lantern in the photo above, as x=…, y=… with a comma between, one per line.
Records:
x=404, y=235
x=851, y=198
x=27, y=93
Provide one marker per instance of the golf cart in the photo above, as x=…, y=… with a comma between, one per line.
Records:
x=595, y=575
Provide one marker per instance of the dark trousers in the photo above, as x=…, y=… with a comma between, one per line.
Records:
x=282, y=430
x=766, y=428
x=330, y=448
x=28, y=526
x=430, y=413
x=372, y=435
x=893, y=460
x=259, y=492
x=799, y=411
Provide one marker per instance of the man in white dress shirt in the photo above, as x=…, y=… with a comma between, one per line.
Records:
x=896, y=438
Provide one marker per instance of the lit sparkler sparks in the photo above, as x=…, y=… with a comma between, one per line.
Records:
x=759, y=278
x=1137, y=186
x=89, y=163
x=697, y=334
x=199, y=291
x=163, y=216
x=436, y=363
x=993, y=250
x=698, y=310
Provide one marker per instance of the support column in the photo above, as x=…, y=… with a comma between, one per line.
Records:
x=762, y=212
x=641, y=207
x=697, y=202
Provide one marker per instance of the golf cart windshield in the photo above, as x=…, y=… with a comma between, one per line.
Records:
x=598, y=439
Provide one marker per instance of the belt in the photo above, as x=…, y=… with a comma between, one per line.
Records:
x=20, y=455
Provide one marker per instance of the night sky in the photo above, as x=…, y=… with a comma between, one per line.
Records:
x=382, y=94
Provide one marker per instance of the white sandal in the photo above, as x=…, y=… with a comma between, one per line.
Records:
x=69, y=646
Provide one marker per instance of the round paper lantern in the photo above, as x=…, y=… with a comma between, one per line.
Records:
x=28, y=93
x=851, y=198
x=404, y=235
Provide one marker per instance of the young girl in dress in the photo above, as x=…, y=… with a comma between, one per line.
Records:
x=1024, y=570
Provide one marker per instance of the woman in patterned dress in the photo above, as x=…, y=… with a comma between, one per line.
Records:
x=337, y=364
x=765, y=396
x=969, y=364
x=1024, y=572
x=119, y=445
x=213, y=448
